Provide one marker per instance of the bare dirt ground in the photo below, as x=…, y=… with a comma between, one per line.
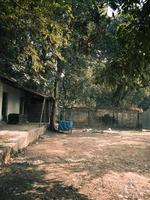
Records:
x=80, y=166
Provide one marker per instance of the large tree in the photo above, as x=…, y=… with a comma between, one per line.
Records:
x=73, y=50
x=32, y=34
x=133, y=63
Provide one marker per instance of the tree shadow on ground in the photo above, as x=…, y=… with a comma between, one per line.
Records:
x=120, y=158
x=117, y=158
x=22, y=181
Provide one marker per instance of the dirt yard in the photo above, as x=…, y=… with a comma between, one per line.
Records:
x=80, y=166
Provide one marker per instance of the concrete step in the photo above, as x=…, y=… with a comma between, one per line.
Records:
x=12, y=141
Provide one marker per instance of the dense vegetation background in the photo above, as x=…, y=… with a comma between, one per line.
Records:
x=74, y=51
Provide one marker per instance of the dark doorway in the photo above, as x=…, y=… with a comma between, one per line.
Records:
x=4, y=106
x=22, y=102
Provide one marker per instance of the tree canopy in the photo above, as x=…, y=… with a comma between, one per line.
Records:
x=73, y=50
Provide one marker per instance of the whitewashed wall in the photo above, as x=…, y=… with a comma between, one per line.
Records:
x=1, y=96
x=14, y=96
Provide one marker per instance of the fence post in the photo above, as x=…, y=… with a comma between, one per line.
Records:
x=88, y=112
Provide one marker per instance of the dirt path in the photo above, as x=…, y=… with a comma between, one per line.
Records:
x=80, y=166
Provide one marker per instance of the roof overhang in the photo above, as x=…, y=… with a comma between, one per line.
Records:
x=14, y=83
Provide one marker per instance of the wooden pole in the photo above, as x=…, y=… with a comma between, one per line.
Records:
x=44, y=100
x=49, y=112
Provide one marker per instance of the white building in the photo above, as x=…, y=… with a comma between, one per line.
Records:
x=25, y=103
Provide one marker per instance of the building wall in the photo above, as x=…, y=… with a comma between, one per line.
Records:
x=14, y=96
x=1, y=96
x=146, y=119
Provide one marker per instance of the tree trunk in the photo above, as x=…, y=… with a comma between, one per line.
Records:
x=119, y=95
x=52, y=126
x=53, y=116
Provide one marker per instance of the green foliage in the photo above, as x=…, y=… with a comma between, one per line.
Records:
x=128, y=68
x=102, y=59
x=32, y=34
